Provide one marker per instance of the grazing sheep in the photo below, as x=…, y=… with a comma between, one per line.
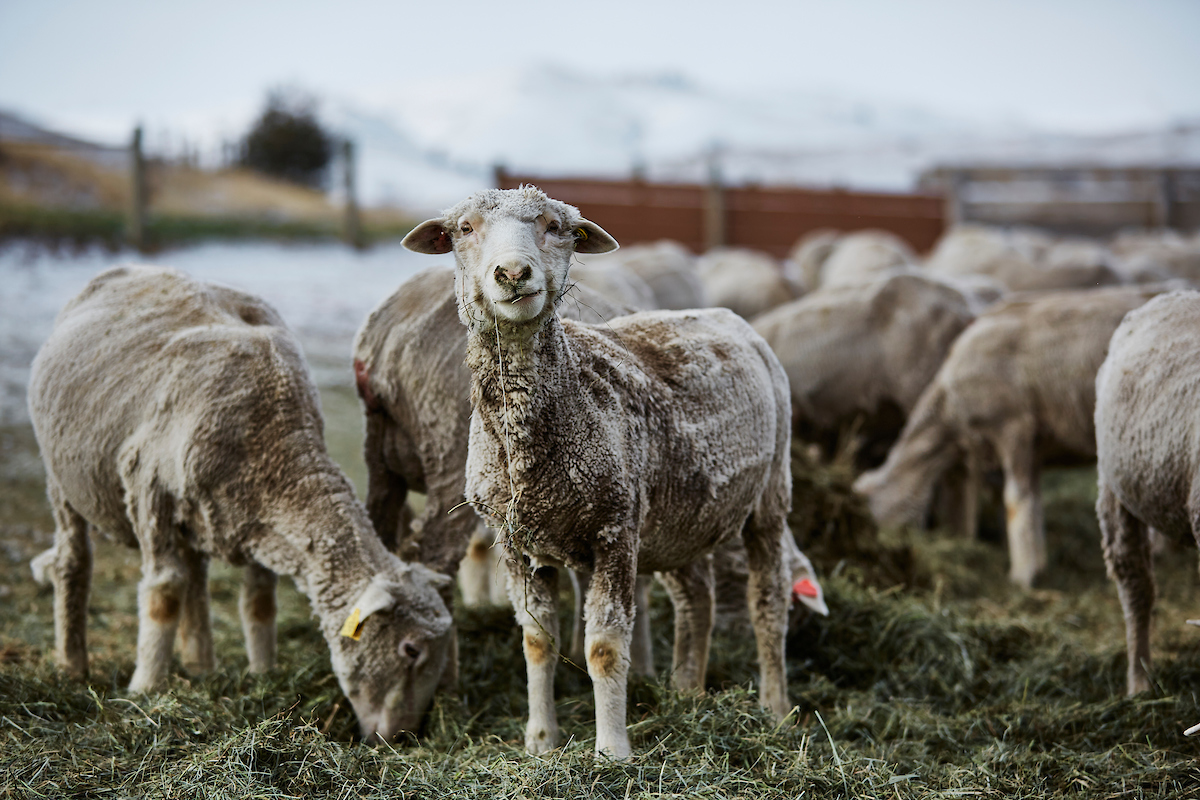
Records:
x=638, y=446
x=180, y=418
x=409, y=366
x=1019, y=260
x=863, y=355
x=666, y=266
x=1146, y=256
x=614, y=282
x=1148, y=453
x=863, y=257
x=1020, y=380
x=808, y=256
x=746, y=282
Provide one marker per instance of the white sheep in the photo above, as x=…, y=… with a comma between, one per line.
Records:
x=416, y=392
x=1148, y=454
x=180, y=418
x=863, y=256
x=632, y=447
x=862, y=355
x=1019, y=381
x=666, y=266
x=1020, y=260
x=747, y=282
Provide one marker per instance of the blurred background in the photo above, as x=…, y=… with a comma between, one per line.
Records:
x=285, y=147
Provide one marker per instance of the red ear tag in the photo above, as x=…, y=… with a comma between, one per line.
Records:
x=804, y=588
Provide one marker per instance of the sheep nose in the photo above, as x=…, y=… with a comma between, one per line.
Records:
x=513, y=273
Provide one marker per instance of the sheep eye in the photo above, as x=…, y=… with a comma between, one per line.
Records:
x=465, y=228
x=552, y=227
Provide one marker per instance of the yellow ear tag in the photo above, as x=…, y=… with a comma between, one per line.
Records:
x=582, y=233
x=352, y=628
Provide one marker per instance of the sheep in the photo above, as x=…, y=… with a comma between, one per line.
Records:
x=747, y=282
x=633, y=447
x=416, y=391
x=1146, y=454
x=179, y=417
x=615, y=283
x=668, y=268
x=1162, y=255
x=863, y=353
x=1020, y=380
x=864, y=256
x=1020, y=260
x=808, y=255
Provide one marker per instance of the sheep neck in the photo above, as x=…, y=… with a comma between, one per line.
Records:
x=511, y=368
x=323, y=539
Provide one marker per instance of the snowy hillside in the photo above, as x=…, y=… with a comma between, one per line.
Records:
x=428, y=144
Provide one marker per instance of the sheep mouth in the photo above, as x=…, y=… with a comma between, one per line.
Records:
x=517, y=298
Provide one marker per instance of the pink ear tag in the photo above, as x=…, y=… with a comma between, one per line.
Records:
x=804, y=588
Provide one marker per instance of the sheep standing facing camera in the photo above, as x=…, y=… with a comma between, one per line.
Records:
x=179, y=417
x=634, y=447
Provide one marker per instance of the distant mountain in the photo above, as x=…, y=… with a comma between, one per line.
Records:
x=436, y=141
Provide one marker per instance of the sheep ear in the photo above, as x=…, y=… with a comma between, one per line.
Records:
x=805, y=587
x=591, y=238
x=377, y=596
x=430, y=237
x=437, y=579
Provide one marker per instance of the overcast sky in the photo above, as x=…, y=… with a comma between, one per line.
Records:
x=1081, y=65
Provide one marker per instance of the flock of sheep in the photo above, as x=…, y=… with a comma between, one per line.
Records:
x=612, y=416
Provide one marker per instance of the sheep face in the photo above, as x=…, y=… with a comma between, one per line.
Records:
x=404, y=648
x=512, y=250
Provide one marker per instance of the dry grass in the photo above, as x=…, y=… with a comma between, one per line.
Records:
x=53, y=194
x=949, y=683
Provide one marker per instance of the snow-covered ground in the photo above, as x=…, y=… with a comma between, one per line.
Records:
x=323, y=291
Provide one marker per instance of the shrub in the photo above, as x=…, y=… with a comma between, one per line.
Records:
x=288, y=142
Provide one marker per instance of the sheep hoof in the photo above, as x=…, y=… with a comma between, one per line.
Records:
x=541, y=740
x=617, y=751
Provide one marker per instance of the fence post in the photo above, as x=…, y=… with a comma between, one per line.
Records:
x=351, y=224
x=135, y=222
x=956, y=206
x=1164, y=196
x=714, y=205
x=499, y=176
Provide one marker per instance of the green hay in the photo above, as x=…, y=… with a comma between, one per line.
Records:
x=945, y=683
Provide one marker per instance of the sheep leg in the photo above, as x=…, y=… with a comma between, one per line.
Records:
x=71, y=574
x=691, y=591
x=641, y=648
x=609, y=612
x=767, y=595
x=163, y=586
x=256, y=604
x=580, y=580
x=474, y=573
x=534, y=596
x=1127, y=555
x=387, y=491
x=1022, y=502
x=195, y=622
x=960, y=497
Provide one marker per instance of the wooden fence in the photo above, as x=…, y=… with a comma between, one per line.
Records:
x=1089, y=200
x=767, y=219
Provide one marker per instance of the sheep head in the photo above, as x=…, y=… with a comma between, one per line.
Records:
x=393, y=649
x=512, y=249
